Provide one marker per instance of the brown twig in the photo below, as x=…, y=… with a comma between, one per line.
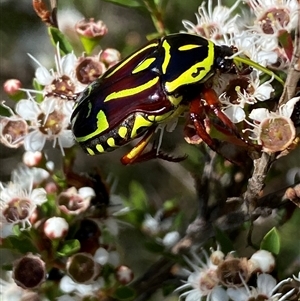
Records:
x=293, y=76
x=49, y=17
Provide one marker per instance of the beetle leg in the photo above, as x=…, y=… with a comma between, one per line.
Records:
x=197, y=117
x=135, y=155
x=136, y=152
x=211, y=98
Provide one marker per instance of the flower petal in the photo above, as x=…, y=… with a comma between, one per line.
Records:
x=68, y=64
x=39, y=196
x=288, y=108
x=259, y=114
x=265, y=284
x=43, y=76
x=27, y=108
x=66, y=139
x=34, y=141
x=235, y=113
x=101, y=256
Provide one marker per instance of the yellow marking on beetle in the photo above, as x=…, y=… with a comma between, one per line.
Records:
x=175, y=100
x=153, y=45
x=90, y=151
x=139, y=122
x=188, y=47
x=132, y=91
x=144, y=65
x=111, y=142
x=195, y=74
x=122, y=131
x=160, y=118
x=100, y=148
x=138, y=148
x=90, y=110
x=169, y=115
x=102, y=125
x=167, y=57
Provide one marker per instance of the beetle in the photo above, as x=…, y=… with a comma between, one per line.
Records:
x=154, y=85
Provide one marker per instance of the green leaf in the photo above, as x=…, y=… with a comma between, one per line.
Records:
x=224, y=241
x=271, y=241
x=289, y=246
x=124, y=293
x=127, y=3
x=89, y=43
x=57, y=36
x=69, y=247
x=154, y=247
x=138, y=197
x=21, y=244
x=4, y=111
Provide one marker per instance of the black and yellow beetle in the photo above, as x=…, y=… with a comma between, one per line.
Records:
x=152, y=86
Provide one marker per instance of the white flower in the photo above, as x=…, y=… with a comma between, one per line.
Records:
x=253, y=93
x=13, y=129
x=273, y=16
x=255, y=47
x=67, y=285
x=213, y=23
x=49, y=120
x=203, y=281
x=275, y=131
x=150, y=225
x=26, y=176
x=265, y=290
x=285, y=110
x=18, y=203
x=62, y=81
x=10, y=291
x=74, y=202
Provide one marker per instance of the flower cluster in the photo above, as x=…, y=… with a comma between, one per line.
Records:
x=265, y=36
x=61, y=227
x=43, y=114
x=225, y=278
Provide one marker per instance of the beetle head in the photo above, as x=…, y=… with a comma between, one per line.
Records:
x=223, y=61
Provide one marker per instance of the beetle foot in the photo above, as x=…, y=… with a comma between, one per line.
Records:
x=170, y=158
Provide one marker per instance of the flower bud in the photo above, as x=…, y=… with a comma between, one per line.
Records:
x=82, y=268
x=124, y=274
x=170, y=239
x=32, y=158
x=262, y=261
x=110, y=56
x=12, y=86
x=29, y=271
x=91, y=29
x=217, y=257
x=56, y=228
x=51, y=187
